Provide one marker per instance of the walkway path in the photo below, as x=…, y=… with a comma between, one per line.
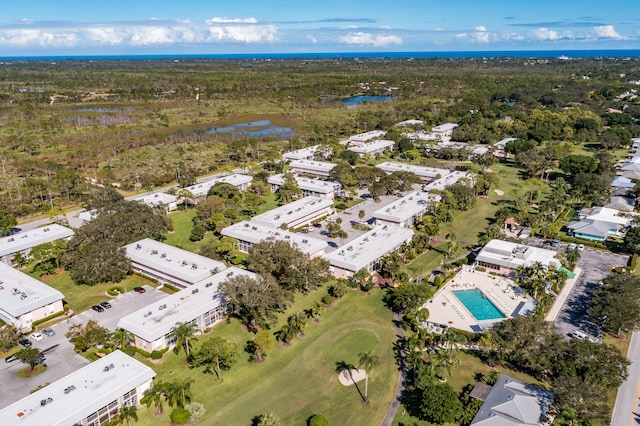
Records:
x=402, y=375
x=627, y=401
x=559, y=302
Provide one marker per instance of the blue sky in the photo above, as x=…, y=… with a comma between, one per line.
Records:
x=73, y=27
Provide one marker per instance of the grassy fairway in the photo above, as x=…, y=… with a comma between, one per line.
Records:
x=298, y=381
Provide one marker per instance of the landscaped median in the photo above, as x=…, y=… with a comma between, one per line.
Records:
x=299, y=380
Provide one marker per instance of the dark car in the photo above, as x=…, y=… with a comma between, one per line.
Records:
x=555, y=243
x=105, y=305
x=139, y=290
x=25, y=342
x=10, y=358
x=97, y=308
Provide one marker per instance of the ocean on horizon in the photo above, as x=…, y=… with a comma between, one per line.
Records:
x=572, y=54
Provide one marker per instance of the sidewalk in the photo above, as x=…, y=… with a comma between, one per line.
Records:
x=562, y=297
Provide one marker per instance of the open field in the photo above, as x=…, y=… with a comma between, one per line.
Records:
x=298, y=381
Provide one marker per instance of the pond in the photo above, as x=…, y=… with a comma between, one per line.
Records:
x=356, y=101
x=258, y=128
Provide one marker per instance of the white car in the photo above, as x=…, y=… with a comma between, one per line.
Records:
x=580, y=247
x=572, y=246
x=578, y=335
x=37, y=336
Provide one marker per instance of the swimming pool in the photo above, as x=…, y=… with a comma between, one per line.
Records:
x=479, y=306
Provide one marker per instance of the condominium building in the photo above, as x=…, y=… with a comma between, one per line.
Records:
x=427, y=174
x=311, y=168
x=201, y=189
x=159, y=199
x=373, y=148
x=250, y=233
x=406, y=210
x=310, y=187
x=24, y=299
x=504, y=256
x=200, y=304
x=90, y=396
x=366, y=251
x=295, y=214
x=24, y=241
x=301, y=154
x=169, y=264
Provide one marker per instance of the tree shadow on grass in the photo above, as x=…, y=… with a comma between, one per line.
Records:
x=343, y=367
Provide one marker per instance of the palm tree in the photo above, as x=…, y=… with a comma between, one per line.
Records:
x=184, y=333
x=452, y=339
x=314, y=312
x=287, y=332
x=179, y=392
x=345, y=368
x=368, y=361
x=299, y=321
x=128, y=412
x=121, y=338
x=157, y=395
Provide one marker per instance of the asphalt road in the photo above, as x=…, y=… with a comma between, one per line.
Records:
x=627, y=408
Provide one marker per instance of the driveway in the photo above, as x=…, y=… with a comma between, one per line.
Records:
x=573, y=314
x=61, y=359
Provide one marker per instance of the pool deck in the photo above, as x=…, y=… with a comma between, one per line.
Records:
x=444, y=307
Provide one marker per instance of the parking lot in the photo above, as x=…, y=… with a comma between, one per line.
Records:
x=61, y=359
x=573, y=314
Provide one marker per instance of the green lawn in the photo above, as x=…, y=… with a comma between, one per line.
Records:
x=182, y=225
x=298, y=381
x=82, y=297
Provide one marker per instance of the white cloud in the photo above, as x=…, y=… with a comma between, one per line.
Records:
x=385, y=27
x=149, y=35
x=368, y=39
x=605, y=31
x=543, y=34
x=350, y=27
x=481, y=28
x=312, y=39
x=481, y=37
x=26, y=21
x=225, y=20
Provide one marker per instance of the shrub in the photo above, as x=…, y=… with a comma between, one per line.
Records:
x=196, y=410
x=156, y=354
x=462, y=261
x=319, y=420
x=171, y=288
x=481, y=269
x=129, y=350
x=340, y=206
x=114, y=291
x=327, y=299
x=437, y=281
x=45, y=319
x=180, y=416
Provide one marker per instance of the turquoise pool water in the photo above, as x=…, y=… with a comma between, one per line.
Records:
x=479, y=306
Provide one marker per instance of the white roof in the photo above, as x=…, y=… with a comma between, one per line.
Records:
x=20, y=293
x=29, y=239
x=88, y=215
x=406, y=207
x=156, y=320
x=255, y=233
x=511, y=255
x=301, y=154
x=445, y=127
x=292, y=212
x=422, y=171
x=422, y=135
x=96, y=385
x=370, y=147
x=503, y=143
x=308, y=184
x=406, y=123
x=157, y=198
x=173, y=261
x=202, y=189
x=447, y=180
x=369, y=247
x=321, y=166
x=363, y=137
x=605, y=214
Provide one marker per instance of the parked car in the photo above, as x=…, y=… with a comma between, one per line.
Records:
x=10, y=358
x=555, y=243
x=105, y=305
x=578, y=335
x=25, y=342
x=48, y=332
x=37, y=336
x=572, y=246
x=97, y=308
x=139, y=290
x=580, y=247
